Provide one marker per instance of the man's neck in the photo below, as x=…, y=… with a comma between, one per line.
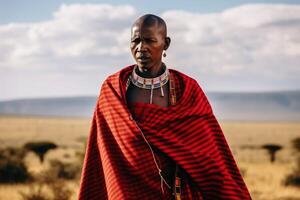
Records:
x=151, y=73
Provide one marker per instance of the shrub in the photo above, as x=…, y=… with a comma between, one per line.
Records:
x=35, y=193
x=296, y=144
x=294, y=178
x=12, y=167
x=65, y=170
x=12, y=171
x=60, y=190
x=56, y=187
x=13, y=153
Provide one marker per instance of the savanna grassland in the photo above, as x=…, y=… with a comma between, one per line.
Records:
x=263, y=178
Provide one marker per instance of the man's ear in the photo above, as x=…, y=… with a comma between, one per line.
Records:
x=167, y=43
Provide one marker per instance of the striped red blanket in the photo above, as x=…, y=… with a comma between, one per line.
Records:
x=119, y=164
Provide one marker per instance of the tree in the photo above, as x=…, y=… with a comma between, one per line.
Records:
x=272, y=150
x=40, y=148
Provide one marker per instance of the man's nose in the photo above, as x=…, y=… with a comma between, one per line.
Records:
x=141, y=46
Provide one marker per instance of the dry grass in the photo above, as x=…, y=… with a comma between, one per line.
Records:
x=263, y=179
x=242, y=135
x=63, y=131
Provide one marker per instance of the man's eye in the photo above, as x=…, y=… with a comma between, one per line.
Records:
x=135, y=41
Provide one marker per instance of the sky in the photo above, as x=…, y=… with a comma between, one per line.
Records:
x=68, y=48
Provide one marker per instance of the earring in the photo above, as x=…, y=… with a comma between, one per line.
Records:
x=164, y=54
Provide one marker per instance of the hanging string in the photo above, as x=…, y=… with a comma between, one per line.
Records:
x=156, y=164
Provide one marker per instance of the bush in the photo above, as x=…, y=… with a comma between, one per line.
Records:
x=56, y=187
x=12, y=167
x=60, y=191
x=293, y=179
x=12, y=153
x=65, y=170
x=12, y=171
x=296, y=144
x=35, y=193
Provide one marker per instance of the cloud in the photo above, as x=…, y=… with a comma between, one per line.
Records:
x=76, y=35
x=250, y=47
x=249, y=38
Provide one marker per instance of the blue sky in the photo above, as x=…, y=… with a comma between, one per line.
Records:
x=36, y=10
x=67, y=48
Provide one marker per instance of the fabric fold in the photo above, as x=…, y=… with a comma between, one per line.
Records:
x=119, y=164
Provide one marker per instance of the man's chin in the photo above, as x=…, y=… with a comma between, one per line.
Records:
x=144, y=66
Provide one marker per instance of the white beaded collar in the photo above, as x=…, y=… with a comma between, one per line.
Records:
x=150, y=83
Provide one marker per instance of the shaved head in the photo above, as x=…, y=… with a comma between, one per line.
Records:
x=148, y=42
x=149, y=20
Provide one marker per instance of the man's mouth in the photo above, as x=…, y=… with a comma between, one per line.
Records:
x=143, y=58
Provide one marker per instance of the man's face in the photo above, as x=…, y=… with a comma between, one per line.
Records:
x=147, y=45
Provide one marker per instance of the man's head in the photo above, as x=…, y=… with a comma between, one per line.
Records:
x=148, y=40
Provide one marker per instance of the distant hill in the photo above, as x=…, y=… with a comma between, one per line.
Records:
x=257, y=105
x=226, y=106
x=62, y=106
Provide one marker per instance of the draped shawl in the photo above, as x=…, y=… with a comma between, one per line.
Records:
x=119, y=165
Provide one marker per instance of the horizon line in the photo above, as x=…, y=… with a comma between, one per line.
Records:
x=96, y=95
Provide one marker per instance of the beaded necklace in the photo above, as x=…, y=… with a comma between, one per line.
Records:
x=150, y=83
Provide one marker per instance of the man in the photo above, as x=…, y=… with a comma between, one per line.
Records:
x=154, y=134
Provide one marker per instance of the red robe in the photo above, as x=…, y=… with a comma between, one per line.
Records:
x=119, y=165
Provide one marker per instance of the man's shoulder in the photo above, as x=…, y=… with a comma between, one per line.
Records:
x=182, y=75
